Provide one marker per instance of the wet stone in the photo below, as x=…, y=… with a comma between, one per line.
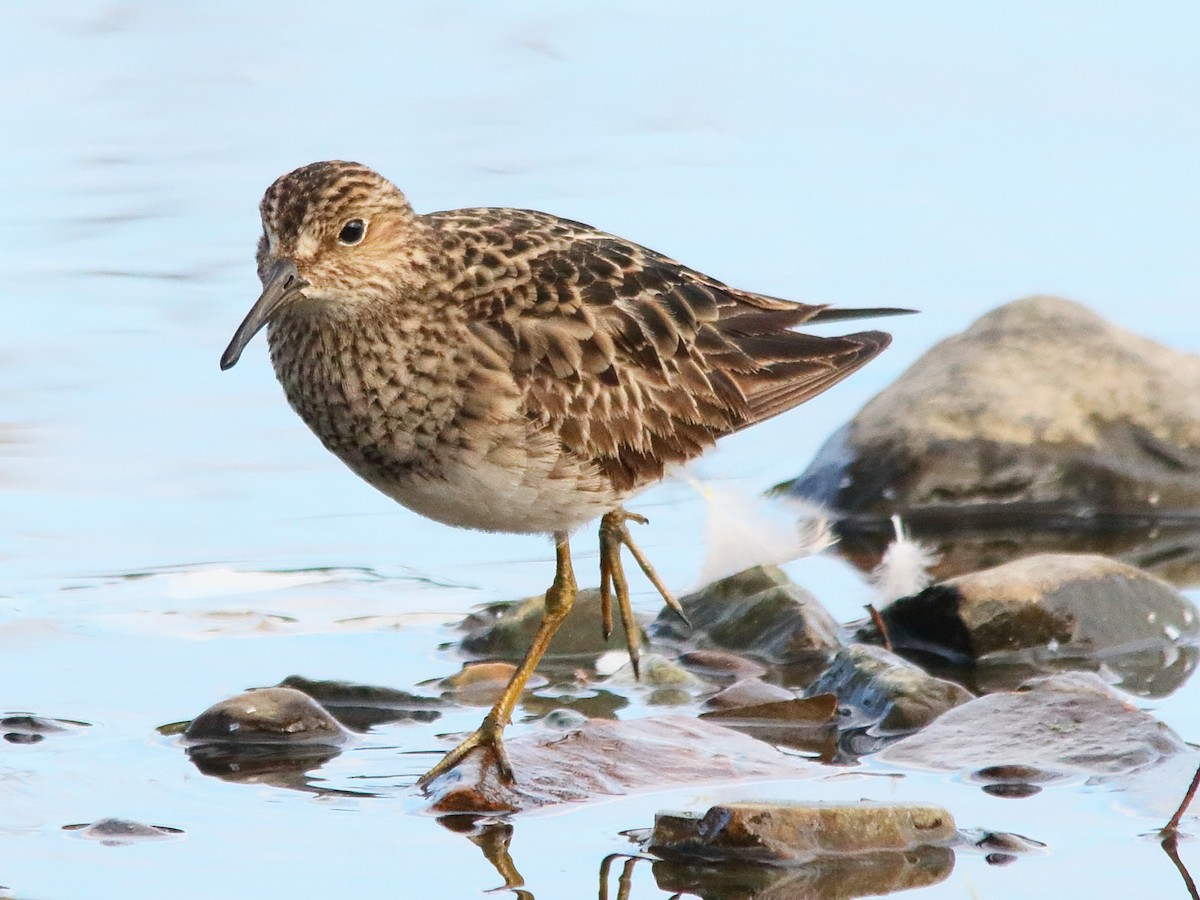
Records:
x=563, y=719
x=809, y=724
x=1004, y=842
x=481, y=684
x=748, y=692
x=796, y=832
x=1071, y=604
x=605, y=758
x=505, y=630
x=1014, y=774
x=721, y=665
x=760, y=612
x=885, y=691
x=273, y=734
x=1041, y=406
x=656, y=670
x=1069, y=723
x=23, y=728
x=267, y=715
x=114, y=832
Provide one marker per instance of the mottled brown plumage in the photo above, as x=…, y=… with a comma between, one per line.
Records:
x=509, y=370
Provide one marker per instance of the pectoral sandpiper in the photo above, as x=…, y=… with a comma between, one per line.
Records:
x=509, y=370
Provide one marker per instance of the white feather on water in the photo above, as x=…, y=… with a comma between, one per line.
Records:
x=904, y=569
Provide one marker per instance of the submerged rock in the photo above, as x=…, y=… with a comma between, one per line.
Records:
x=1073, y=605
x=606, y=758
x=809, y=724
x=1065, y=724
x=114, y=832
x=361, y=706
x=759, y=612
x=482, y=683
x=1040, y=404
x=23, y=728
x=885, y=691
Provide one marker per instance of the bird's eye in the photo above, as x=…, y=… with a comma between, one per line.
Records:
x=352, y=232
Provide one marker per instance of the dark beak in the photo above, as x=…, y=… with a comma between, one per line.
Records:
x=282, y=283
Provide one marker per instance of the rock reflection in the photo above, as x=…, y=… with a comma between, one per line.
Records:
x=859, y=875
x=967, y=540
x=277, y=766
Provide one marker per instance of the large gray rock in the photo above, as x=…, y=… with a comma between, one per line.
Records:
x=1040, y=402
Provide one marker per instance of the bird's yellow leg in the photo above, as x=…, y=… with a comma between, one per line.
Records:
x=559, y=600
x=613, y=536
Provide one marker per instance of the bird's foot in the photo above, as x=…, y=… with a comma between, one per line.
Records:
x=613, y=536
x=486, y=737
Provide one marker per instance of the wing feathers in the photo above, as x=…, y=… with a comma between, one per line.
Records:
x=634, y=361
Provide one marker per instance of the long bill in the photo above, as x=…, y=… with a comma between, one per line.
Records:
x=282, y=283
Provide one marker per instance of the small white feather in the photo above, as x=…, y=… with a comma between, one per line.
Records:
x=904, y=569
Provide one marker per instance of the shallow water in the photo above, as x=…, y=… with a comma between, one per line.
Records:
x=170, y=534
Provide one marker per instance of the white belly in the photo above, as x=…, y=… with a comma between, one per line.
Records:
x=489, y=497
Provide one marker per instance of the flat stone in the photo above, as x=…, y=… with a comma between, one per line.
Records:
x=886, y=691
x=1042, y=405
x=1073, y=604
x=1067, y=723
x=482, y=683
x=606, y=758
x=721, y=664
x=748, y=692
x=809, y=724
x=796, y=832
x=760, y=612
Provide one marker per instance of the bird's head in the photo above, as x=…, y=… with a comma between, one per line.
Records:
x=333, y=232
